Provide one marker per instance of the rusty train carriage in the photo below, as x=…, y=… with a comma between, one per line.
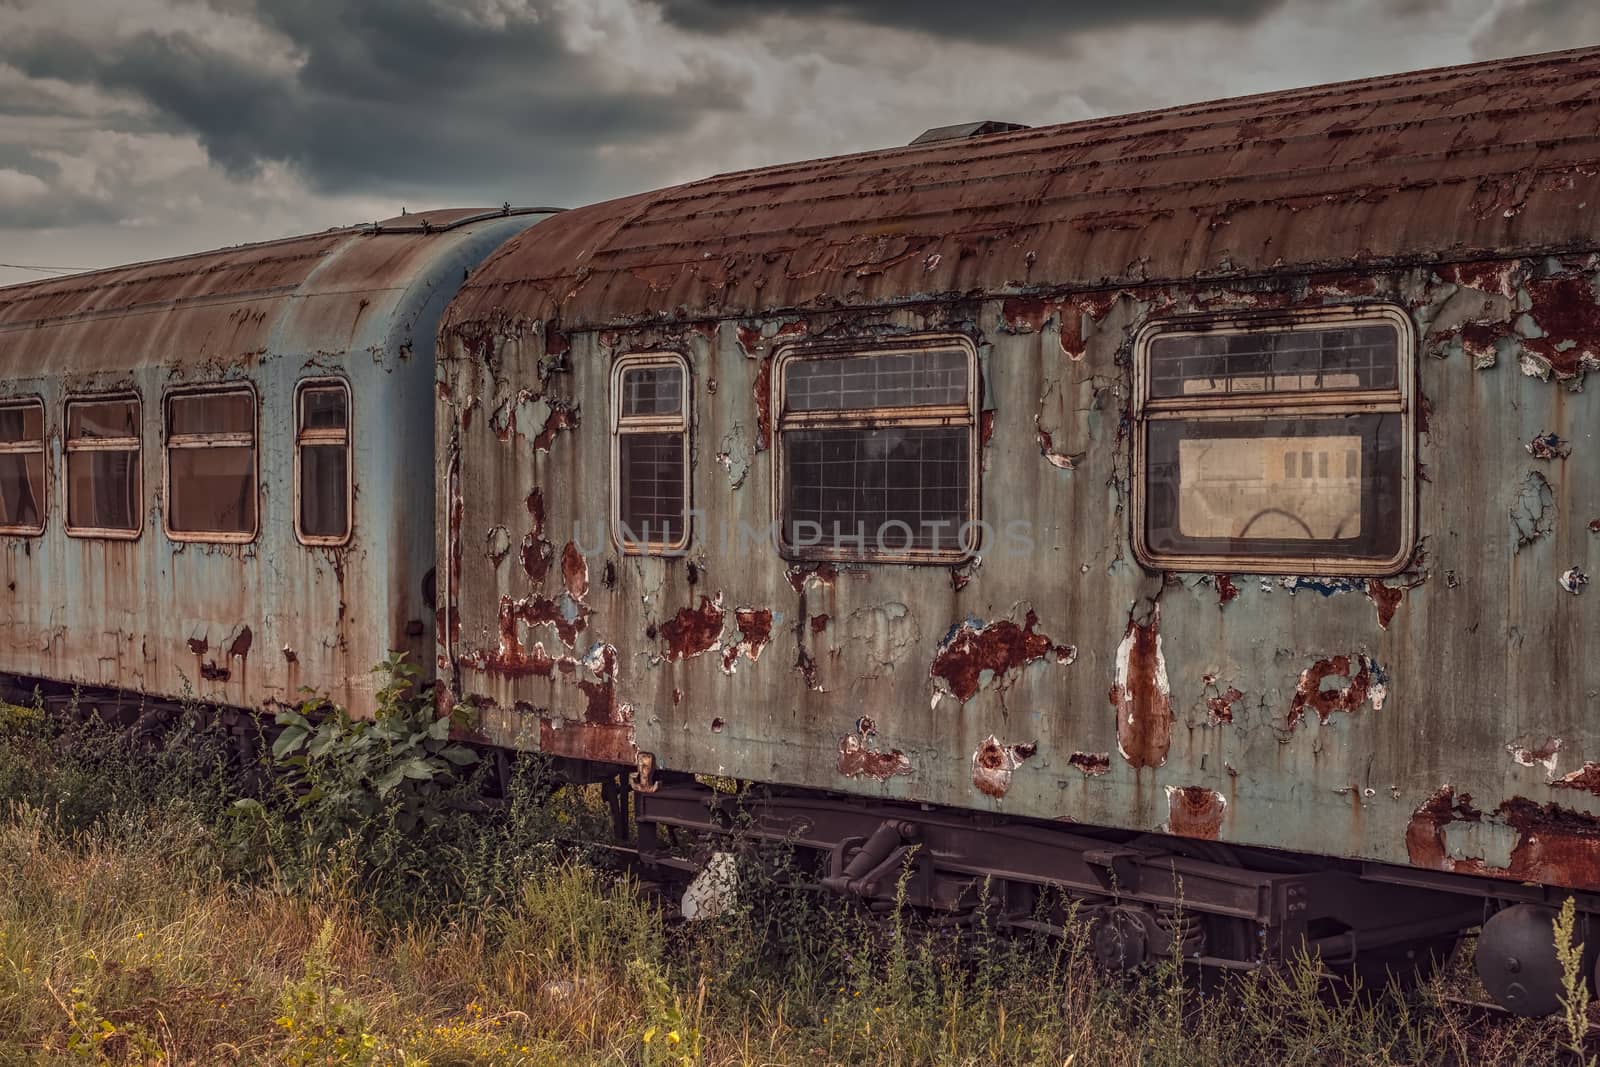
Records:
x=202, y=362
x=1414, y=708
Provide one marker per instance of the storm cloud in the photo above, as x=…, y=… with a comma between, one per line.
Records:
x=137, y=128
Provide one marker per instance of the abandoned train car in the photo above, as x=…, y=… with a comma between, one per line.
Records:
x=1098, y=506
x=215, y=470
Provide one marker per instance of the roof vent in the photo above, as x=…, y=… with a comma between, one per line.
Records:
x=963, y=130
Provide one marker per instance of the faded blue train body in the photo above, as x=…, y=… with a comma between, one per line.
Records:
x=249, y=622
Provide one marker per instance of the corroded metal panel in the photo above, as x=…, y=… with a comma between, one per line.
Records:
x=1443, y=715
x=1496, y=157
x=254, y=622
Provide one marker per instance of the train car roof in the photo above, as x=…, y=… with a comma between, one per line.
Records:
x=332, y=294
x=1497, y=158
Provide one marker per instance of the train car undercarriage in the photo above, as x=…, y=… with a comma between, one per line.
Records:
x=1140, y=897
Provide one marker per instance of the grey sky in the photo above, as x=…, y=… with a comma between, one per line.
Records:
x=131, y=129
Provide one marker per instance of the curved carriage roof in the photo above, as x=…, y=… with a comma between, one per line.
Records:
x=331, y=294
x=1498, y=157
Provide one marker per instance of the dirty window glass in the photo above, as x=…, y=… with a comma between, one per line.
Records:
x=1289, y=360
x=211, y=465
x=104, y=478
x=1261, y=481
x=876, y=454
x=102, y=419
x=652, y=455
x=896, y=380
x=652, y=391
x=22, y=467
x=323, y=463
x=885, y=490
x=1275, y=487
x=652, y=490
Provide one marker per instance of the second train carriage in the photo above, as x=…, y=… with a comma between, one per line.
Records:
x=1218, y=478
x=216, y=472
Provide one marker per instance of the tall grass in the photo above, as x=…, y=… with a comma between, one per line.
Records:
x=143, y=920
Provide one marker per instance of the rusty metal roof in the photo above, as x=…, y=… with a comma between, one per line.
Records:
x=324, y=293
x=1437, y=165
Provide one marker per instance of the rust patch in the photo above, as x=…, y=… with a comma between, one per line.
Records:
x=574, y=572
x=1549, y=446
x=693, y=631
x=608, y=743
x=1586, y=777
x=1594, y=526
x=1566, y=311
x=213, y=673
x=536, y=550
x=819, y=623
x=859, y=759
x=241, y=643
x=1092, y=764
x=993, y=765
x=1385, y=598
x=1220, y=702
x=1544, y=754
x=1555, y=845
x=1141, y=696
x=802, y=574
x=749, y=340
x=1366, y=682
x=985, y=426
x=755, y=630
x=559, y=419
x=1227, y=592
x=1026, y=314
x=199, y=646
x=1195, y=811
x=1047, y=449
x=972, y=656
x=763, y=397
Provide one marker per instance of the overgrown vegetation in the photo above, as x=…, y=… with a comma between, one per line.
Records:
x=161, y=901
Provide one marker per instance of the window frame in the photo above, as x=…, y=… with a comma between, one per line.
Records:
x=103, y=444
x=622, y=424
x=953, y=415
x=217, y=440
x=28, y=448
x=346, y=437
x=1310, y=404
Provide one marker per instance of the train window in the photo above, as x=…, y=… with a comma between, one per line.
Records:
x=211, y=465
x=877, y=453
x=1281, y=445
x=22, y=467
x=651, y=453
x=104, y=478
x=322, y=462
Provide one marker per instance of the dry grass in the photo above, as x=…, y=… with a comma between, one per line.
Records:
x=124, y=950
x=142, y=921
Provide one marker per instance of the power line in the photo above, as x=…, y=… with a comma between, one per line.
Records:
x=45, y=270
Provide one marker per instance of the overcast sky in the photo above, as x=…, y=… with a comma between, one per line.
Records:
x=133, y=129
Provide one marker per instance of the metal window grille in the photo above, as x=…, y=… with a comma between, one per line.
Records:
x=1281, y=445
x=877, y=453
x=323, y=487
x=23, y=493
x=105, y=478
x=211, y=466
x=650, y=454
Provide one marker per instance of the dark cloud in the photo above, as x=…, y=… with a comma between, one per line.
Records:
x=1013, y=22
x=381, y=97
x=1523, y=27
